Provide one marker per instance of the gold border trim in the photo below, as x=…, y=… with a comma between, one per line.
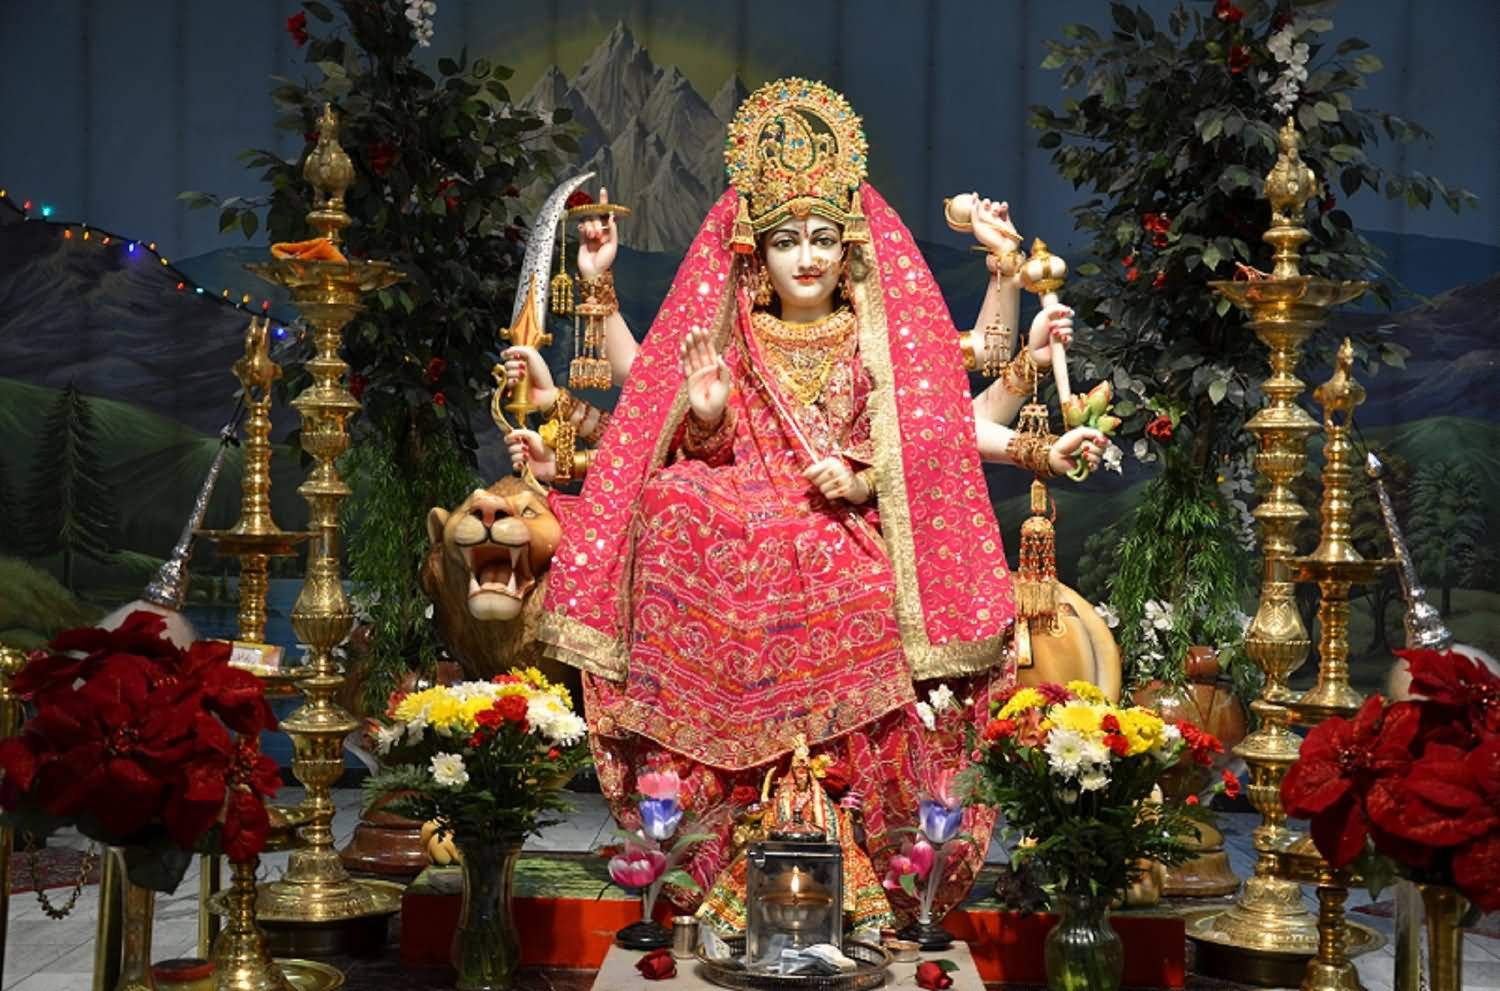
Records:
x=581, y=646
x=926, y=659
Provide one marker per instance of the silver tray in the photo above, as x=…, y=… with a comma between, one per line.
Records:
x=871, y=963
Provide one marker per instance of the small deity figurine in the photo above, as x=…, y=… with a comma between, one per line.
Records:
x=785, y=531
x=799, y=808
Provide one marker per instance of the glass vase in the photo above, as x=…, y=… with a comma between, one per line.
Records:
x=1083, y=951
x=486, y=944
x=138, y=916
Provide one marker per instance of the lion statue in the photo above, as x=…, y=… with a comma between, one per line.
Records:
x=486, y=573
x=1078, y=647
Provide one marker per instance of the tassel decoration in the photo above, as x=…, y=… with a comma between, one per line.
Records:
x=856, y=227
x=1036, y=578
x=743, y=240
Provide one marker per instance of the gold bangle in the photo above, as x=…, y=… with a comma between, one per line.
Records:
x=599, y=297
x=592, y=437
x=867, y=475
x=1024, y=364
x=582, y=460
x=703, y=439
x=562, y=406
x=1033, y=452
x=566, y=435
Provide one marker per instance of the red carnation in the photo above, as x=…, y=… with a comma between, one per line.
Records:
x=578, y=198
x=553, y=753
x=512, y=708
x=489, y=718
x=1118, y=744
x=1231, y=784
x=999, y=729
x=435, y=368
x=1160, y=428
x=1191, y=799
x=296, y=26
x=1110, y=724
x=1239, y=59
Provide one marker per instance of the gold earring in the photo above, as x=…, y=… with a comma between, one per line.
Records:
x=763, y=286
x=846, y=285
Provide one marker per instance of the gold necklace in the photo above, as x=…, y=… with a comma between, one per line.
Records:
x=803, y=354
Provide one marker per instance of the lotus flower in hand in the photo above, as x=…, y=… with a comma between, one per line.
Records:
x=941, y=816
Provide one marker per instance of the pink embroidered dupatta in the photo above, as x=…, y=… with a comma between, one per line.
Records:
x=953, y=595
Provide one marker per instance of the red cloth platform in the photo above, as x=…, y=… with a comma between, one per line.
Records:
x=573, y=931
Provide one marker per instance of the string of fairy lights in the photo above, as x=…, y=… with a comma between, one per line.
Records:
x=132, y=248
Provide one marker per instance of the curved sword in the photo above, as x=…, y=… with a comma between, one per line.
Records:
x=538, y=259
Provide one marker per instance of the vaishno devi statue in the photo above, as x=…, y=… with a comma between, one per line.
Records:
x=784, y=531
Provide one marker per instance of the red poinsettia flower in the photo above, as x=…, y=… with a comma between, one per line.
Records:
x=1476, y=863
x=77, y=654
x=255, y=778
x=296, y=26
x=1448, y=678
x=1239, y=59
x=235, y=696
x=1348, y=769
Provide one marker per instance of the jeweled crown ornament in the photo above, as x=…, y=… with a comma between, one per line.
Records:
x=795, y=149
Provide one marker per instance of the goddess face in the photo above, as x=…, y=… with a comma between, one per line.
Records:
x=804, y=258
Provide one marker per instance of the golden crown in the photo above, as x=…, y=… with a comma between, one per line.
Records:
x=795, y=148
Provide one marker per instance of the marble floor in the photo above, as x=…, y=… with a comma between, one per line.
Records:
x=46, y=955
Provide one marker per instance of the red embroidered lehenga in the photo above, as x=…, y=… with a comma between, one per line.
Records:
x=720, y=606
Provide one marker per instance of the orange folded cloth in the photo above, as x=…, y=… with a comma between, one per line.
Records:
x=318, y=249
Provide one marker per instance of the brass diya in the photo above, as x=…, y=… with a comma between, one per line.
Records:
x=797, y=903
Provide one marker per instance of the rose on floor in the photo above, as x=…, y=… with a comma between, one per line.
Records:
x=657, y=965
x=935, y=974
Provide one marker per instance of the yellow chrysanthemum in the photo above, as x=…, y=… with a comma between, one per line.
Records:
x=1088, y=692
x=1141, y=727
x=1026, y=698
x=1080, y=717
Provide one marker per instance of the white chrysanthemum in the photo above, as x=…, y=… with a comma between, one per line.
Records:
x=1094, y=779
x=1167, y=742
x=1095, y=752
x=387, y=737
x=942, y=699
x=554, y=721
x=925, y=713
x=1107, y=613
x=448, y=770
x=1064, y=751
x=417, y=724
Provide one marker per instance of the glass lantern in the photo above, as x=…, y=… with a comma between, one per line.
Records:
x=793, y=897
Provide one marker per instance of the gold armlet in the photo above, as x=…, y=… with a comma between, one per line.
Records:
x=563, y=447
x=970, y=348
x=599, y=299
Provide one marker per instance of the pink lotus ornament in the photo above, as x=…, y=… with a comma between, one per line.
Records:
x=637, y=866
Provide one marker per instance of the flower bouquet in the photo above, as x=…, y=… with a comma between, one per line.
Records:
x=485, y=760
x=1412, y=788
x=1074, y=776
x=133, y=742
x=644, y=863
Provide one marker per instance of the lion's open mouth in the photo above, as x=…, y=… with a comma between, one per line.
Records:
x=499, y=568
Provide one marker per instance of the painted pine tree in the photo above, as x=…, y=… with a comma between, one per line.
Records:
x=68, y=509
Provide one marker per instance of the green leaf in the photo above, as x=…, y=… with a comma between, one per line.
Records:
x=1326, y=111
x=1344, y=154
x=1211, y=129
x=1368, y=63
x=318, y=10
x=680, y=878
x=448, y=67
x=946, y=966
x=1124, y=18
x=333, y=70
x=227, y=219
x=1351, y=45
x=1212, y=256
x=1222, y=306
x=249, y=222
x=1049, y=140
x=1054, y=60
x=1217, y=389
x=909, y=884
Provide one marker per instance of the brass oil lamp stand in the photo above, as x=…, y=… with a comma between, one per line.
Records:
x=316, y=906
x=1336, y=567
x=1268, y=935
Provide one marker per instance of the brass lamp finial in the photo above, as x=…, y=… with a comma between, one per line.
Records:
x=329, y=171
